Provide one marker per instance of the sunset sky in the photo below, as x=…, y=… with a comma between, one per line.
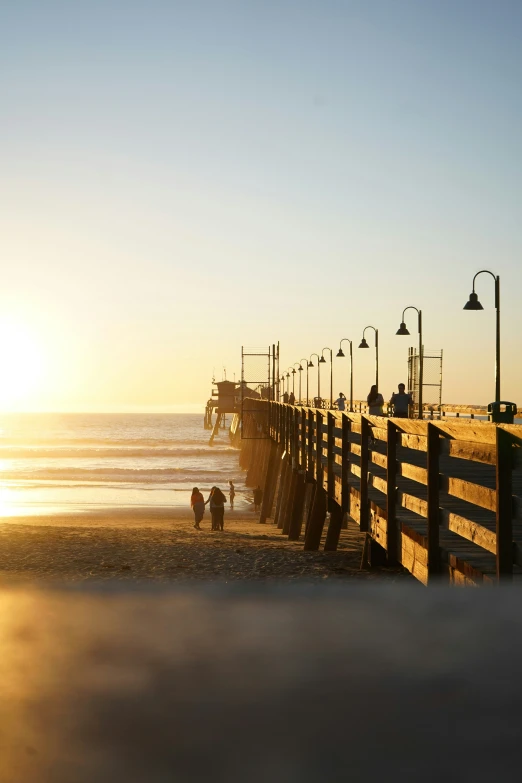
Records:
x=181, y=178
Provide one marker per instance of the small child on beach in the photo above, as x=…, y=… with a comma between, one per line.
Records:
x=232, y=494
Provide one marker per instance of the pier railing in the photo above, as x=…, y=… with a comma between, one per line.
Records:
x=440, y=497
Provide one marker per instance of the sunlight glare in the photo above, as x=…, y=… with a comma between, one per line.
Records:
x=22, y=365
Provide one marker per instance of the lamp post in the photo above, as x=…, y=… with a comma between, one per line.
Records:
x=300, y=376
x=364, y=344
x=296, y=364
x=311, y=364
x=340, y=355
x=293, y=381
x=403, y=330
x=323, y=361
x=474, y=304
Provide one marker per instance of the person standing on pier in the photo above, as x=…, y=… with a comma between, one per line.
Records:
x=375, y=402
x=401, y=402
x=340, y=402
x=291, y=398
x=285, y=397
x=197, y=503
x=216, y=501
x=232, y=494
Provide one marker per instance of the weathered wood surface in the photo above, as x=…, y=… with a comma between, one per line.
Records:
x=471, y=504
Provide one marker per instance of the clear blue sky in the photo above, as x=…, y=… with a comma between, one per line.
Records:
x=181, y=178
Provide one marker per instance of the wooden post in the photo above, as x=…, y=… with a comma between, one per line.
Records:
x=286, y=512
x=391, y=493
x=296, y=511
x=330, y=440
x=334, y=528
x=270, y=483
x=310, y=472
x=345, y=464
x=433, y=502
x=316, y=521
x=318, y=512
x=303, y=439
x=504, y=505
x=283, y=485
x=363, y=486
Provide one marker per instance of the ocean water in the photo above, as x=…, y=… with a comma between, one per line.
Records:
x=68, y=462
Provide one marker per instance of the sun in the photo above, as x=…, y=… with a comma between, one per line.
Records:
x=21, y=363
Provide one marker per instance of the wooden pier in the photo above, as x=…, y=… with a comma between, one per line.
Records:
x=442, y=498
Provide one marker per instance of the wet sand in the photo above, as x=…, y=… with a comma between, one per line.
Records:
x=162, y=546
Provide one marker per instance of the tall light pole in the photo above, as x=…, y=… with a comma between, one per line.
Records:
x=287, y=382
x=474, y=304
x=311, y=364
x=293, y=381
x=340, y=354
x=300, y=375
x=296, y=364
x=323, y=361
x=403, y=330
x=364, y=344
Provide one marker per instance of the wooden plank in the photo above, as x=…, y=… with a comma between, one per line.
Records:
x=378, y=483
x=379, y=433
x=412, y=503
x=379, y=459
x=475, y=452
x=413, y=472
x=471, y=531
x=416, y=442
x=470, y=492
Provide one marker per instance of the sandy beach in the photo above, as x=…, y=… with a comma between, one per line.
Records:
x=162, y=546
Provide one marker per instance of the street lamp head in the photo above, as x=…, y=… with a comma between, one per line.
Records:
x=310, y=363
x=322, y=360
x=288, y=375
x=364, y=344
x=473, y=303
x=300, y=369
x=340, y=353
x=293, y=370
x=402, y=329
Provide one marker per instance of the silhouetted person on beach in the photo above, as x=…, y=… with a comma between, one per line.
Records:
x=285, y=397
x=232, y=494
x=258, y=498
x=216, y=501
x=197, y=502
x=291, y=399
x=375, y=402
x=401, y=402
x=340, y=402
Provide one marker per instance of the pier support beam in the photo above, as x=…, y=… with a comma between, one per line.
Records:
x=316, y=521
x=334, y=528
x=296, y=511
x=274, y=461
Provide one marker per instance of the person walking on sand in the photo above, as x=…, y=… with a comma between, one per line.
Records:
x=216, y=501
x=340, y=402
x=375, y=402
x=197, y=503
x=258, y=498
x=401, y=402
x=232, y=494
